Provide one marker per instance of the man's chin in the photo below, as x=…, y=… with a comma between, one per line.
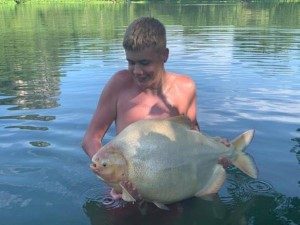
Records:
x=146, y=85
x=143, y=85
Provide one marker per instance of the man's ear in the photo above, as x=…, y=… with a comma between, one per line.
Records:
x=166, y=55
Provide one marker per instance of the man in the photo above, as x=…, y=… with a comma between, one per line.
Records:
x=143, y=91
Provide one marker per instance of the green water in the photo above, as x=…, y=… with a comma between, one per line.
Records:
x=56, y=58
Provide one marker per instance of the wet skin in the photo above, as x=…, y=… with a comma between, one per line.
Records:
x=143, y=91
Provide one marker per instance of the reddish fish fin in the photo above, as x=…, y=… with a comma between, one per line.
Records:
x=125, y=195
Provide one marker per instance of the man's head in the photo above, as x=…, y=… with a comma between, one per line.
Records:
x=145, y=47
x=145, y=32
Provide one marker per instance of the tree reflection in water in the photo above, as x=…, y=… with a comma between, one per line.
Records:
x=296, y=148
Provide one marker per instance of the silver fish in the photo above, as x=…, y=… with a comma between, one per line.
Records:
x=167, y=161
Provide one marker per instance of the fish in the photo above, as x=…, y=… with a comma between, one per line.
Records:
x=167, y=161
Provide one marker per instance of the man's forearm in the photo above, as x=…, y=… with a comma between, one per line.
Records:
x=91, y=146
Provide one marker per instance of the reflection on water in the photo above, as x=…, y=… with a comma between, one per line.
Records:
x=55, y=60
x=39, y=143
x=30, y=94
x=296, y=149
x=247, y=202
x=29, y=117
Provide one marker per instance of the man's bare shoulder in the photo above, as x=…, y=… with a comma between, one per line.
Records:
x=121, y=77
x=119, y=81
x=183, y=81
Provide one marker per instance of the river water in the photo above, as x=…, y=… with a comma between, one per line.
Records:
x=56, y=58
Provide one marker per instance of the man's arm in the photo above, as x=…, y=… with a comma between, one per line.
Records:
x=192, y=107
x=103, y=117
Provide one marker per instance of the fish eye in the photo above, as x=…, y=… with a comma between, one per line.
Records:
x=104, y=164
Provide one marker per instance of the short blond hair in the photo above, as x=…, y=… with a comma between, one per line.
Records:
x=145, y=32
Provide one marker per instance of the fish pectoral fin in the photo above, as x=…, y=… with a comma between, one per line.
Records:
x=126, y=196
x=161, y=206
x=209, y=197
x=100, y=177
x=215, y=182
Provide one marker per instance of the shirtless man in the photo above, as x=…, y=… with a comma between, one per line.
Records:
x=145, y=90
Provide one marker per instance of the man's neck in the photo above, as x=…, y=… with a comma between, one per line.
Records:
x=160, y=86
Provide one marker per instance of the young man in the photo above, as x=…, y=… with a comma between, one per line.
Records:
x=145, y=90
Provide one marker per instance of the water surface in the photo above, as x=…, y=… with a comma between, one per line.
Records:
x=56, y=59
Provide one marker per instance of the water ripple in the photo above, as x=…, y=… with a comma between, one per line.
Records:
x=258, y=186
x=7, y=200
x=243, y=188
x=101, y=196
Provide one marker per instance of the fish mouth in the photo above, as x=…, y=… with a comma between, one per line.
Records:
x=93, y=166
x=100, y=177
x=96, y=170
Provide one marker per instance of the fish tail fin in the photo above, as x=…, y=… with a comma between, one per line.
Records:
x=243, y=161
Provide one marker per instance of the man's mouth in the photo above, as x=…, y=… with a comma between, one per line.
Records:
x=96, y=170
x=142, y=79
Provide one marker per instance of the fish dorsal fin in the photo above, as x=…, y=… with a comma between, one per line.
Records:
x=182, y=119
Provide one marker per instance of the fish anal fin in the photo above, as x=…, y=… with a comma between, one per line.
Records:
x=161, y=206
x=215, y=183
x=126, y=196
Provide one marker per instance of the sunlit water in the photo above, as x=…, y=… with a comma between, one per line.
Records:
x=54, y=62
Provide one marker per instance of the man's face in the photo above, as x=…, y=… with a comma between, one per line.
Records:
x=146, y=67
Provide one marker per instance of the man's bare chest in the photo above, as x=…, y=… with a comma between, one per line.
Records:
x=146, y=104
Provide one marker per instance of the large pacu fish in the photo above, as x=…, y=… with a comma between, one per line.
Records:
x=167, y=161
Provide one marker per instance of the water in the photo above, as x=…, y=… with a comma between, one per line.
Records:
x=55, y=60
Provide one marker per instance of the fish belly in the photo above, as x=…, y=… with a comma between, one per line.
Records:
x=172, y=165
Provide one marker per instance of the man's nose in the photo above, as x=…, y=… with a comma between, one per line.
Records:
x=137, y=69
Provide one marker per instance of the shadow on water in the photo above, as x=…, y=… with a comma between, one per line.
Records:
x=242, y=200
x=248, y=202
x=296, y=148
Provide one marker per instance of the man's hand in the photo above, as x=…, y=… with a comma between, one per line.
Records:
x=224, y=161
x=115, y=195
x=225, y=141
x=130, y=189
